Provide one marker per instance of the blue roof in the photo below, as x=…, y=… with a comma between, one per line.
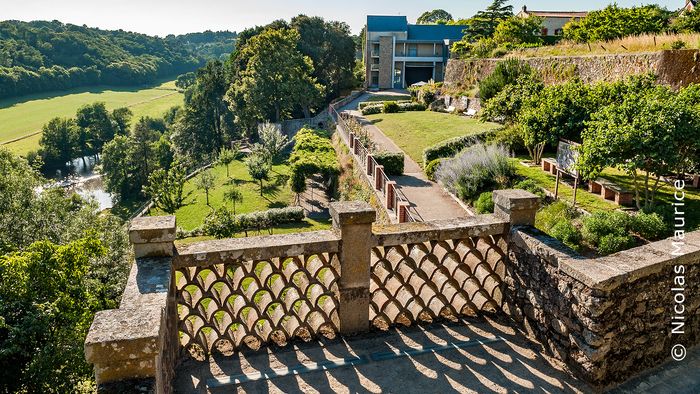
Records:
x=435, y=32
x=386, y=23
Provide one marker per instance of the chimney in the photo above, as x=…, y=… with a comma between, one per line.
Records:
x=524, y=8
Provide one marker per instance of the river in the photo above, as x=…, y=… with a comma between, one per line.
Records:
x=82, y=178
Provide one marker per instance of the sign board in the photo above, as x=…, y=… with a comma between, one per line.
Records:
x=567, y=156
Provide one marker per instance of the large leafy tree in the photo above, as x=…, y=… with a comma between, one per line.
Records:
x=276, y=78
x=119, y=167
x=615, y=22
x=59, y=141
x=648, y=135
x=516, y=30
x=434, y=16
x=484, y=23
x=687, y=22
x=96, y=127
x=167, y=188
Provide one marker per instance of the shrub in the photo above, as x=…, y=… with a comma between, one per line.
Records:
x=550, y=215
x=392, y=162
x=478, y=168
x=601, y=224
x=649, y=226
x=451, y=147
x=612, y=243
x=365, y=104
x=566, y=232
x=432, y=167
x=391, y=107
x=224, y=224
x=506, y=73
x=678, y=44
x=484, y=204
x=532, y=187
x=412, y=106
x=372, y=109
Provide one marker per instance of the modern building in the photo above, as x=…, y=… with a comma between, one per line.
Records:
x=554, y=21
x=398, y=54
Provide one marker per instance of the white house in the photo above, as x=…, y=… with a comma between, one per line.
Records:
x=554, y=21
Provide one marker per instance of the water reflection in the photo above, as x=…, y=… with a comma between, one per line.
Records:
x=80, y=177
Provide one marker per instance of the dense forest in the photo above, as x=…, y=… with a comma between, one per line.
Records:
x=42, y=56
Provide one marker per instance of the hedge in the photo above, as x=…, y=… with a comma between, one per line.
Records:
x=364, y=104
x=224, y=224
x=378, y=107
x=373, y=109
x=449, y=148
x=392, y=162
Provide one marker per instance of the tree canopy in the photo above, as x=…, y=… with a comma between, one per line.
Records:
x=615, y=22
x=434, y=16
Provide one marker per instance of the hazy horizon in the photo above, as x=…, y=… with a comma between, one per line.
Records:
x=178, y=17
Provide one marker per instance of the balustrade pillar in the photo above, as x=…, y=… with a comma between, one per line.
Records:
x=353, y=220
x=390, y=194
x=402, y=211
x=517, y=206
x=351, y=141
x=369, y=169
x=378, y=177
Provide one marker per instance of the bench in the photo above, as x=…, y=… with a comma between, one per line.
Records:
x=611, y=192
x=550, y=166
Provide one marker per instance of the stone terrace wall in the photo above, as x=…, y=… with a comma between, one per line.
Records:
x=610, y=317
x=673, y=67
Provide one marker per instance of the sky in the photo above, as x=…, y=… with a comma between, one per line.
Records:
x=163, y=17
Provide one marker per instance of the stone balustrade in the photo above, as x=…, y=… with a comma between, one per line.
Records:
x=606, y=317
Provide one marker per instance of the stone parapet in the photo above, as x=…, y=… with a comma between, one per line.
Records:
x=608, y=317
x=517, y=206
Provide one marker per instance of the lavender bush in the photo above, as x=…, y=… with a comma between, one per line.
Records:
x=479, y=168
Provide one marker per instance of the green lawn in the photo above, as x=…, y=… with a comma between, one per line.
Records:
x=276, y=194
x=415, y=131
x=26, y=115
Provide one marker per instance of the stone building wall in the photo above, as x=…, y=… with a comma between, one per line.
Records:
x=673, y=67
x=610, y=317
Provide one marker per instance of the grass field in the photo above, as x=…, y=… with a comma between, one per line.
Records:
x=415, y=131
x=276, y=194
x=20, y=117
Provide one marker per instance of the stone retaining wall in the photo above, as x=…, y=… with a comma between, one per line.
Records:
x=673, y=67
x=609, y=317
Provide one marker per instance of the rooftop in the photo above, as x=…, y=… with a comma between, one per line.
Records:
x=555, y=14
x=388, y=23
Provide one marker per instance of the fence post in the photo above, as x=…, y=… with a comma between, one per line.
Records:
x=353, y=220
x=518, y=206
x=390, y=194
x=402, y=211
x=369, y=168
x=351, y=141
x=378, y=177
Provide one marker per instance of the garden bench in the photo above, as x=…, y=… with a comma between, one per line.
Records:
x=611, y=191
x=550, y=166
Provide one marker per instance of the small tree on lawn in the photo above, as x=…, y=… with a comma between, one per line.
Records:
x=272, y=141
x=298, y=185
x=648, y=136
x=234, y=196
x=166, y=188
x=226, y=157
x=259, y=168
x=205, y=181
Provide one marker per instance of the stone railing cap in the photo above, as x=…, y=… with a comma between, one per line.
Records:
x=152, y=229
x=515, y=199
x=119, y=334
x=352, y=212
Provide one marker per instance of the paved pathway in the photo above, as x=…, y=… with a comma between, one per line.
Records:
x=428, y=198
x=678, y=377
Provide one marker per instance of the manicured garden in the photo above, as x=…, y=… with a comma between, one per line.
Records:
x=415, y=131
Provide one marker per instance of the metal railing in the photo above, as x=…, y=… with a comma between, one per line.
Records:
x=362, y=156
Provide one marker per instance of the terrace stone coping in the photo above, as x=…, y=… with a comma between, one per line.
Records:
x=152, y=229
x=515, y=199
x=439, y=230
x=352, y=212
x=609, y=272
x=256, y=248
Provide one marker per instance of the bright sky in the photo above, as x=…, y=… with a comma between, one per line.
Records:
x=162, y=17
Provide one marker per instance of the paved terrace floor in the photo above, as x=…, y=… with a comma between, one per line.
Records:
x=474, y=356
x=428, y=198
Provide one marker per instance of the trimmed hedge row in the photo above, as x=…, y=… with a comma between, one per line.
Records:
x=364, y=104
x=451, y=147
x=224, y=224
x=392, y=162
x=379, y=107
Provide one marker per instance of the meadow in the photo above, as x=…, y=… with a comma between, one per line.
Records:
x=21, y=119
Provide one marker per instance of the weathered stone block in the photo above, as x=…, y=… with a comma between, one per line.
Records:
x=352, y=212
x=152, y=229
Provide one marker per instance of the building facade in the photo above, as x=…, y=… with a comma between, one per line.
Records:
x=398, y=54
x=554, y=21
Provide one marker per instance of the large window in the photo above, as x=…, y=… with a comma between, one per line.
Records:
x=413, y=50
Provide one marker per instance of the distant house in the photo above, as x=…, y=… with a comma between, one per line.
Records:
x=690, y=5
x=554, y=21
x=398, y=54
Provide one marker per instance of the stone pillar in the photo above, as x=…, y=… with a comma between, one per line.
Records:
x=353, y=220
x=402, y=211
x=153, y=236
x=518, y=206
x=351, y=141
x=390, y=193
x=378, y=177
x=370, y=159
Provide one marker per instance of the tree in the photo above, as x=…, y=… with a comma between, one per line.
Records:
x=59, y=141
x=506, y=73
x=166, y=188
x=258, y=168
x=687, y=22
x=616, y=22
x=484, y=23
x=234, y=196
x=121, y=119
x=434, y=16
x=146, y=133
x=118, y=167
x=227, y=156
x=205, y=181
x=272, y=141
x=96, y=127
x=276, y=78
x=648, y=135
x=506, y=105
x=516, y=30
x=186, y=80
